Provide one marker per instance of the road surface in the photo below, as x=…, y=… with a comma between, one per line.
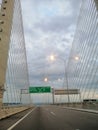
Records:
x=57, y=118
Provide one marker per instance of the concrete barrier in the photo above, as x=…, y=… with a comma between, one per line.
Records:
x=8, y=111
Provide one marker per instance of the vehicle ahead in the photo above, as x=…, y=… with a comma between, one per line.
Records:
x=90, y=101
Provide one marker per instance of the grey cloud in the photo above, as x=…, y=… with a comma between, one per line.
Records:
x=56, y=24
x=74, y=3
x=46, y=35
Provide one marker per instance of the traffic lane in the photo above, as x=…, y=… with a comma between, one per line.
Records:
x=50, y=121
x=71, y=120
x=7, y=122
x=40, y=119
x=31, y=122
x=55, y=118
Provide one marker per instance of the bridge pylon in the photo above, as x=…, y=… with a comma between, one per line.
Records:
x=6, y=17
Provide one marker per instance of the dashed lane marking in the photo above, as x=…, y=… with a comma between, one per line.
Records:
x=53, y=113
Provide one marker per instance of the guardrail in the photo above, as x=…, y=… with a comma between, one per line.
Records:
x=89, y=105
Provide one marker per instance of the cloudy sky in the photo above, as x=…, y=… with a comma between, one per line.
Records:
x=49, y=27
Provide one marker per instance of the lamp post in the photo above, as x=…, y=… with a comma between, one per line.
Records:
x=46, y=79
x=52, y=57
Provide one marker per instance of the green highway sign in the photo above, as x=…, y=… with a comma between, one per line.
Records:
x=40, y=89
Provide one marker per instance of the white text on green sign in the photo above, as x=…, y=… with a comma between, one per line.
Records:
x=41, y=89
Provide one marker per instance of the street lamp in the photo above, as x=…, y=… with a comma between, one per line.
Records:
x=52, y=57
x=76, y=58
x=45, y=79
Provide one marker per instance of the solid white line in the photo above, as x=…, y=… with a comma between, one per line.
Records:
x=20, y=119
x=53, y=113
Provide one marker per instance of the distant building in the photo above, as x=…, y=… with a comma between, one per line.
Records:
x=83, y=74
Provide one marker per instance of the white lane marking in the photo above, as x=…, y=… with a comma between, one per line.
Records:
x=53, y=113
x=20, y=119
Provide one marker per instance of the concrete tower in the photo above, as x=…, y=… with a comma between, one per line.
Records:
x=6, y=16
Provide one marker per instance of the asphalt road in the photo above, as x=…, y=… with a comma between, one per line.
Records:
x=56, y=118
